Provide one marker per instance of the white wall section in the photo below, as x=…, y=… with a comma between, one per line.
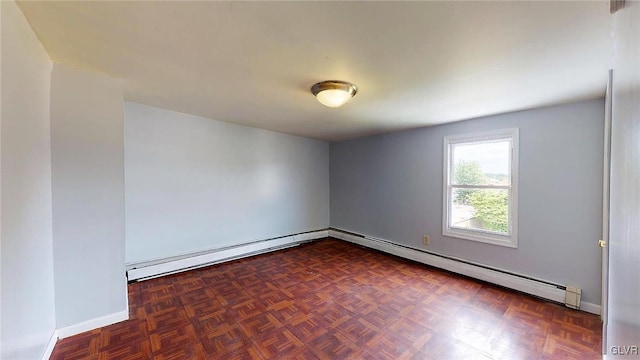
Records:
x=196, y=184
x=27, y=284
x=87, y=139
x=390, y=187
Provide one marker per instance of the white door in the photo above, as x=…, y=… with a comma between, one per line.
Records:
x=623, y=299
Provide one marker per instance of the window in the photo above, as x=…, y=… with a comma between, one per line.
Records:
x=480, y=187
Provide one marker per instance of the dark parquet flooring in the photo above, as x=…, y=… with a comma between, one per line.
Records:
x=334, y=300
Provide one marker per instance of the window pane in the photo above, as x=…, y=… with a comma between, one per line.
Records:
x=485, y=163
x=480, y=209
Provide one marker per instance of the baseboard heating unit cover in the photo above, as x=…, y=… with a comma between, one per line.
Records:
x=537, y=287
x=160, y=267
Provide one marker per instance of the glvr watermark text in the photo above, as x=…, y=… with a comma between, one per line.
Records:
x=624, y=350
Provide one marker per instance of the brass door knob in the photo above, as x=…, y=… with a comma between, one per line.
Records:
x=602, y=243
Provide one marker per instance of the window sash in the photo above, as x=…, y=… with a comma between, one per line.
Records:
x=507, y=187
x=509, y=210
x=479, y=140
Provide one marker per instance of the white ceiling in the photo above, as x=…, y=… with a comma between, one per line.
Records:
x=415, y=63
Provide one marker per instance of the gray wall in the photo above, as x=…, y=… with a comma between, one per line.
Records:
x=27, y=288
x=624, y=250
x=390, y=186
x=194, y=183
x=88, y=195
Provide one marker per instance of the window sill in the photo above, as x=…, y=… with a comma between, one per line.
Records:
x=487, y=238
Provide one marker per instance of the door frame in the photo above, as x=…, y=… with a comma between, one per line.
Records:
x=606, y=176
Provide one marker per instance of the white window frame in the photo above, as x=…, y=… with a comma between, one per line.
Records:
x=489, y=237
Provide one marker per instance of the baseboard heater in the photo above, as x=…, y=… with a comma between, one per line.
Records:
x=166, y=266
x=537, y=287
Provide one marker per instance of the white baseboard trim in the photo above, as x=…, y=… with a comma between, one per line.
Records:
x=590, y=308
x=536, y=287
x=93, y=324
x=161, y=267
x=52, y=343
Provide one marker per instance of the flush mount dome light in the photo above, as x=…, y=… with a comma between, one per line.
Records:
x=334, y=93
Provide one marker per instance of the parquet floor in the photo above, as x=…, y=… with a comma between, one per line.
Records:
x=333, y=300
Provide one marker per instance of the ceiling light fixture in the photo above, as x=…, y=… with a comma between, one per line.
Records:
x=334, y=93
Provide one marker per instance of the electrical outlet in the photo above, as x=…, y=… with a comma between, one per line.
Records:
x=425, y=240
